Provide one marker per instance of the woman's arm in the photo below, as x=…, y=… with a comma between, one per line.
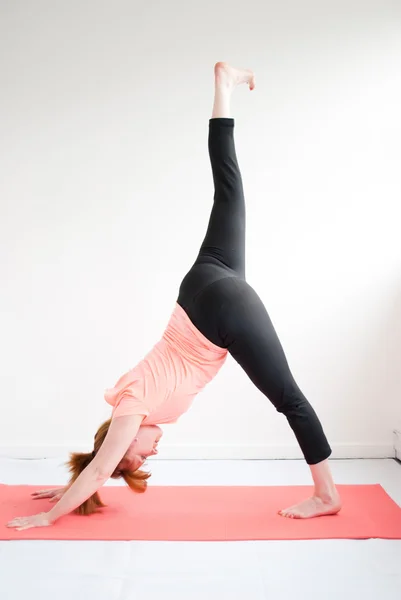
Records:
x=121, y=433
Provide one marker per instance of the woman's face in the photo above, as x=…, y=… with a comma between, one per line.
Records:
x=143, y=446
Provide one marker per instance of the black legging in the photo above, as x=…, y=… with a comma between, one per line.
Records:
x=225, y=308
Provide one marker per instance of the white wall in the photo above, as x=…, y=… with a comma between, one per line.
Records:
x=106, y=191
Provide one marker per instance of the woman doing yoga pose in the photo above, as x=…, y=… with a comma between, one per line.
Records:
x=217, y=312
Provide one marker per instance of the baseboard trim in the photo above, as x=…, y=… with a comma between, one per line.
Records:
x=214, y=451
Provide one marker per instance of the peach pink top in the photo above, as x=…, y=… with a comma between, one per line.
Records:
x=163, y=385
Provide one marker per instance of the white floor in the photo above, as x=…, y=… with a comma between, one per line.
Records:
x=312, y=570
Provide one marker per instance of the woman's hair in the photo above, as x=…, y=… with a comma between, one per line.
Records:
x=79, y=461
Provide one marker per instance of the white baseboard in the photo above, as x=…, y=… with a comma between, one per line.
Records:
x=270, y=452
x=213, y=451
x=397, y=443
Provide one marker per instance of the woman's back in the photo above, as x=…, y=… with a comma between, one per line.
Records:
x=163, y=385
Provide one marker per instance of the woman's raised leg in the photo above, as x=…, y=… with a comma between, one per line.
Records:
x=224, y=241
x=223, y=249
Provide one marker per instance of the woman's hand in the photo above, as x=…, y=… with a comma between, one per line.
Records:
x=21, y=523
x=118, y=439
x=54, y=494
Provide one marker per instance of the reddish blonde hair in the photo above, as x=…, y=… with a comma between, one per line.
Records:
x=136, y=480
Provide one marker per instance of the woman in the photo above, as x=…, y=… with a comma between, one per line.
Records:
x=216, y=313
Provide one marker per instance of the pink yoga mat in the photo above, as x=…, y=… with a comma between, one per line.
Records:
x=206, y=513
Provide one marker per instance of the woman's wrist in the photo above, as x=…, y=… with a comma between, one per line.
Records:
x=51, y=516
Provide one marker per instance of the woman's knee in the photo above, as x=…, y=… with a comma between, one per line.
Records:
x=291, y=400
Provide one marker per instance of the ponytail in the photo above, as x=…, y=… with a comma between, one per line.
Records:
x=78, y=463
x=136, y=480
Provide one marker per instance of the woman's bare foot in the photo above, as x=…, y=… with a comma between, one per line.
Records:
x=313, y=507
x=227, y=75
x=226, y=78
x=325, y=500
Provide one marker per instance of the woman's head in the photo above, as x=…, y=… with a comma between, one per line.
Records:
x=144, y=445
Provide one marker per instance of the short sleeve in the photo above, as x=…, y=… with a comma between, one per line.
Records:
x=128, y=404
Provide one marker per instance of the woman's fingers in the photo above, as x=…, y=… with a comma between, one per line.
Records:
x=18, y=521
x=53, y=495
x=46, y=493
x=42, y=492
